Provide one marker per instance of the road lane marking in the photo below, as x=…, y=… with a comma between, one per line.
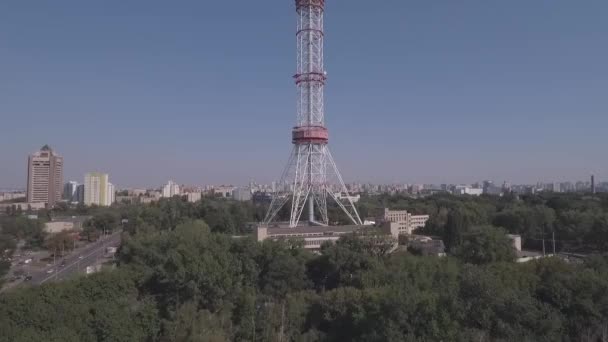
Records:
x=65, y=268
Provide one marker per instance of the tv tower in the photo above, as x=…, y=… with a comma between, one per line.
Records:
x=311, y=174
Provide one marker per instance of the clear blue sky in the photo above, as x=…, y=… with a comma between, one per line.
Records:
x=201, y=91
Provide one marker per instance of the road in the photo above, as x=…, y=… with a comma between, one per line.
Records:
x=76, y=262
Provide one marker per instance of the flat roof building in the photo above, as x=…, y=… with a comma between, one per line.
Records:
x=314, y=236
x=406, y=222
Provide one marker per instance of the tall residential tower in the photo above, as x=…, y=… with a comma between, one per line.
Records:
x=44, y=177
x=98, y=190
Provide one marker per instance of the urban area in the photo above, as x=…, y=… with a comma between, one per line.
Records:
x=308, y=257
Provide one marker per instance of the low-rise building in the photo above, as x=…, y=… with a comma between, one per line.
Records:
x=515, y=241
x=127, y=199
x=11, y=196
x=314, y=236
x=194, y=196
x=262, y=197
x=23, y=206
x=223, y=191
x=242, y=194
x=147, y=200
x=344, y=196
x=60, y=224
x=406, y=222
x=467, y=190
x=426, y=246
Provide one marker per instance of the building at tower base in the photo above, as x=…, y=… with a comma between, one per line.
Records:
x=313, y=237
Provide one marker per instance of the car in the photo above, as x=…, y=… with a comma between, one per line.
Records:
x=50, y=271
x=28, y=278
x=80, y=257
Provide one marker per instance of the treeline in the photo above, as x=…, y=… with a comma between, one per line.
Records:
x=14, y=229
x=182, y=276
x=579, y=222
x=189, y=283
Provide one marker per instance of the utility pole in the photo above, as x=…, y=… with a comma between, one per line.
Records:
x=554, y=243
x=543, y=241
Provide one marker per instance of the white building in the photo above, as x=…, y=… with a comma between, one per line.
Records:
x=194, y=197
x=223, y=191
x=467, y=190
x=314, y=237
x=353, y=198
x=111, y=195
x=7, y=196
x=241, y=194
x=98, y=190
x=406, y=222
x=171, y=189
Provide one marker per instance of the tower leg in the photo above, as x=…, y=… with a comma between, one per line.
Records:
x=311, y=173
x=311, y=210
x=347, y=206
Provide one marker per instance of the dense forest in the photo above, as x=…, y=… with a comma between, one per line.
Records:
x=182, y=275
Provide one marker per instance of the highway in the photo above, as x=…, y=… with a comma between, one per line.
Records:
x=77, y=261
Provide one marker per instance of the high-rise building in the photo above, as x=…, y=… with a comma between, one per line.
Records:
x=80, y=193
x=171, y=189
x=70, y=191
x=593, y=184
x=44, y=177
x=111, y=195
x=98, y=190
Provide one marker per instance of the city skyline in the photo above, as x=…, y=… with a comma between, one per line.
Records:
x=161, y=184
x=457, y=93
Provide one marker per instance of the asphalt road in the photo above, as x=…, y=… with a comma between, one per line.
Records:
x=76, y=262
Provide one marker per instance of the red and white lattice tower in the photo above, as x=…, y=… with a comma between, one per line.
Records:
x=311, y=174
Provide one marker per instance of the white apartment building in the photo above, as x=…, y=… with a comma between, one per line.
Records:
x=467, y=190
x=171, y=189
x=98, y=190
x=406, y=222
x=242, y=194
x=194, y=197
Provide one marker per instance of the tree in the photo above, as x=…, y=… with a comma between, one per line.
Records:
x=105, y=222
x=346, y=263
x=59, y=242
x=457, y=225
x=485, y=244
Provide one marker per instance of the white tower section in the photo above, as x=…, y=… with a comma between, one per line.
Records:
x=311, y=174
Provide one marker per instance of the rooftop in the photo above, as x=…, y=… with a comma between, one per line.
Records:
x=74, y=219
x=315, y=229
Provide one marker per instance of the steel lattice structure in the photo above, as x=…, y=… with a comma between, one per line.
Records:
x=311, y=174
